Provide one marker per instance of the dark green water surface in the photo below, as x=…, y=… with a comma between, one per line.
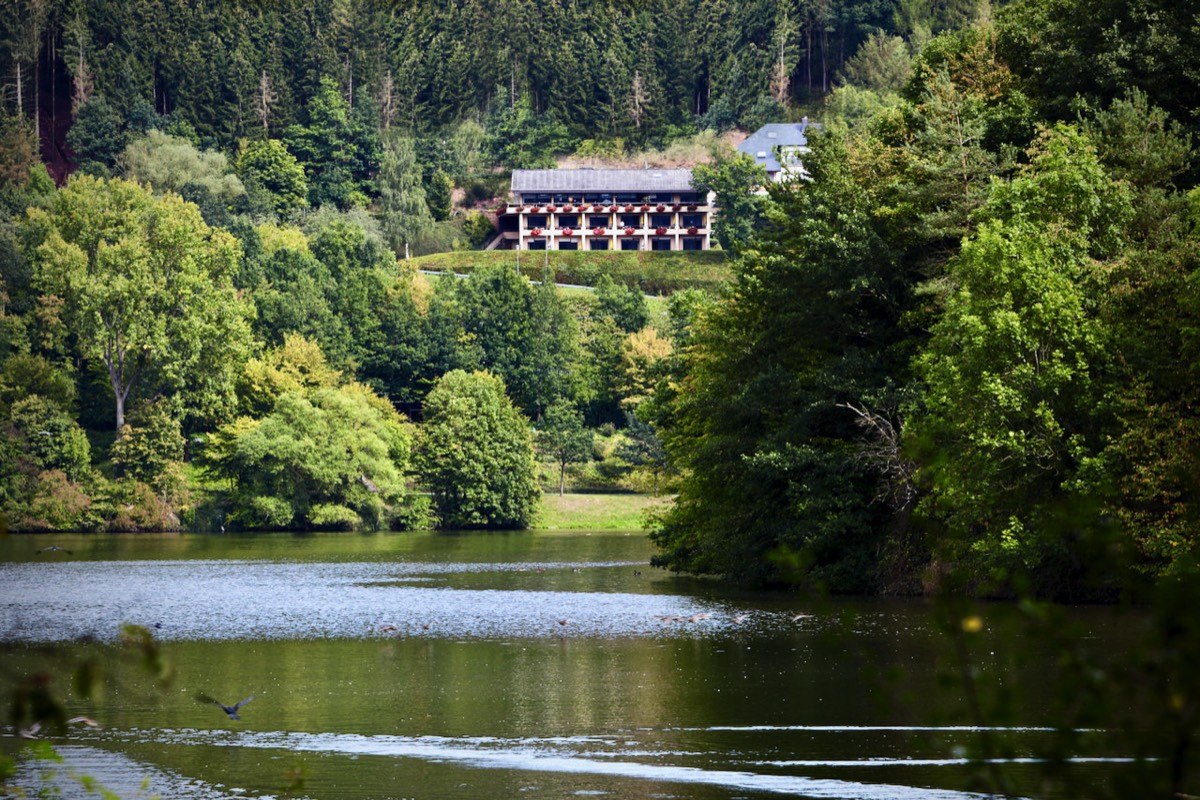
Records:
x=530, y=665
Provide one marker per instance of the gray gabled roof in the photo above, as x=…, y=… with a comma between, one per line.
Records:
x=601, y=180
x=761, y=146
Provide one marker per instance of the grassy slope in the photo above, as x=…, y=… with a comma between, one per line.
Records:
x=597, y=511
x=653, y=272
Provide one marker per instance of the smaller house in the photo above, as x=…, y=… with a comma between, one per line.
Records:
x=778, y=147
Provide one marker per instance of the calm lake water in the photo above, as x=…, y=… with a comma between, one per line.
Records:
x=530, y=665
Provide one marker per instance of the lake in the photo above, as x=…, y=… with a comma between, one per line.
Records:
x=502, y=665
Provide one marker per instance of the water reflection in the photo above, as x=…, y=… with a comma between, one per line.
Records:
x=407, y=665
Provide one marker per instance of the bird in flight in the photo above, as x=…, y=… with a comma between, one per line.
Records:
x=230, y=710
x=55, y=549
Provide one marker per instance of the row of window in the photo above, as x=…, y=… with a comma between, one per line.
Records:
x=624, y=221
x=624, y=243
x=685, y=198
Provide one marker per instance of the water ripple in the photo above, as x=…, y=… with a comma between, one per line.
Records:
x=207, y=600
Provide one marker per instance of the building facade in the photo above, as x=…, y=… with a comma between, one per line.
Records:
x=606, y=209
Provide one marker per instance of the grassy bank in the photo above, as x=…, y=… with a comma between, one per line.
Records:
x=653, y=272
x=597, y=511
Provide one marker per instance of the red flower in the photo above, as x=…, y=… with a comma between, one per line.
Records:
x=598, y=231
x=691, y=208
x=552, y=209
x=660, y=207
x=629, y=231
x=692, y=231
x=568, y=208
x=536, y=231
x=660, y=231
x=567, y=231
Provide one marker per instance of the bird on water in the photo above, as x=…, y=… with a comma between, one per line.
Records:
x=230, y=710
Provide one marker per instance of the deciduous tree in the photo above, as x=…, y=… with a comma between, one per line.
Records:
x=475, y=453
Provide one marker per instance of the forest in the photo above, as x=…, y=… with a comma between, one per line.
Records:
x=960, y=353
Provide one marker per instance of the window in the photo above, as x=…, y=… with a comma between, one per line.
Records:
x=535, y=221
x=568, y=244
x=631, y=220
x=630, y=243
x=693, y=243
x=691, y=198
x=627, y=199
x=536, y=244
x=660, y=243
x=536, y=199
x=568, y=220
x=660, y=220
x=692, y=220
x=598, y=221
x=662, y=197
x=598, y=243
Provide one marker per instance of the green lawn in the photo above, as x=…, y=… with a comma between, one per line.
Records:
x=653, y=272
x=597, y=511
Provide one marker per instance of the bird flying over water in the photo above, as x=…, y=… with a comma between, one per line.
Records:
x=230, y=710
x=55, y=549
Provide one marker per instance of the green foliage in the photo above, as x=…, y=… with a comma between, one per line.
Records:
x=441, y=187
x=475, y=453
x=169, y=163
x=296, y=366
x=97, y=136
x=732, y=179
x=146, y=288
x=881, y=64
x=1015, y=403
x=523, y=334
x=757, y=422
x=146, y=449
x=402, y=207
x=642, y=447
x=27, y=374
x=50, y=438
x=269, y=166
x=518, y=138
x=326, y=457
x=625, y=304
x=338, y=151
x=562, y=437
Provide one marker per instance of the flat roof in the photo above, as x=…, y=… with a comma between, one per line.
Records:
x=602, y=180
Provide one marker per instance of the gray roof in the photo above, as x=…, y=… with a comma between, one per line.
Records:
x=761, y=146
x=601, y=180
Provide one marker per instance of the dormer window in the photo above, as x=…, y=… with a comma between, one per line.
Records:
x=772, y=135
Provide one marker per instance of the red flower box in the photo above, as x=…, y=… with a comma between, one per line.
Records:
x=568, y=231
x=660, y=207
x=552, y=209
x=678, y=206
x=629, y=231
x=693, y=231
x=646, y=207
x=598, y=231
x=660, y=231
x=691, y=208
x=536, y=232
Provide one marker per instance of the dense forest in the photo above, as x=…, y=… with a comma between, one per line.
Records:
x=961, y=352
